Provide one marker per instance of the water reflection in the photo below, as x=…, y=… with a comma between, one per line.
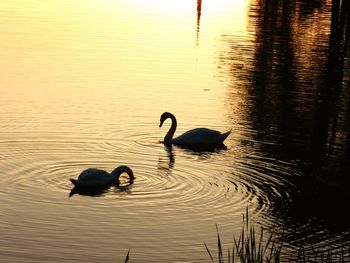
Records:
x=125, y=188
x=87, y=191
x=203, y=149
x=199, y=13
x=286, y=91
x=166, y=166
x=325, y=187
x=298, y=102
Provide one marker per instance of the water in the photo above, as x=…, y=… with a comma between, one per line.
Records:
x=83, y=84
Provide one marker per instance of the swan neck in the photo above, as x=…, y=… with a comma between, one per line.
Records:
x=122, y=169
x=170, y=134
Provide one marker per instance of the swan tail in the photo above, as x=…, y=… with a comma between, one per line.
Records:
x=225, y=135
x=74, y=181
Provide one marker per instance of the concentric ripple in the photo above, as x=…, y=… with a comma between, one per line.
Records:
x=175, y=176
x=173, y=186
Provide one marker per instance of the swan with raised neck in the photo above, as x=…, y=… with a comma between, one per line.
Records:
x=98, y=178
x=169, y=136
x=198, y=136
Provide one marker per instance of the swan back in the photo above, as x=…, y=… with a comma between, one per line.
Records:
x=201, y=136
x=195, y=137
x=93, y=177
x=97, y=178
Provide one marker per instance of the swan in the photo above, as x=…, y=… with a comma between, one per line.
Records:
x=97, y=178
x=194, y=137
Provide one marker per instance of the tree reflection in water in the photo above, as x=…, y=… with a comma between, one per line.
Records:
x=297, y=90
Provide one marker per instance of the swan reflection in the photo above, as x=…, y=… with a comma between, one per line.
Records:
x=166, y=166
x=204, y=149
x=125, y=188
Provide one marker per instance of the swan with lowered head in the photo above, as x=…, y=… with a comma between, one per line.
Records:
x=97, y=178
x=194, y=137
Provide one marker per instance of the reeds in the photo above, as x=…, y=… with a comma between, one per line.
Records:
x=257, y=247
x=127, y=257
x=252, y=247
x=248, y=248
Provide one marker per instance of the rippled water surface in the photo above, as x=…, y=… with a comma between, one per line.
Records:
x=83, y=84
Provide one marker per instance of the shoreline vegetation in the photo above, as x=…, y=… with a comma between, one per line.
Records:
x=249, y=247
x=260, y=247
x=253, y=247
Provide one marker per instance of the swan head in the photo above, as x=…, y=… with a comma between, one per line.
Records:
x=163, y=117
x=123, y=169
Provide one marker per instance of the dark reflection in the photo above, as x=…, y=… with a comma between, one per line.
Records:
x=199, y=13
x=298, y=104
x=93, y=191
x=203, y=149
x=165, y=167
x=171, y=156
x=324, y=191
x=88, y=191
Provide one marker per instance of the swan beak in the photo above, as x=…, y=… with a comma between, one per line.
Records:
x=160, y=124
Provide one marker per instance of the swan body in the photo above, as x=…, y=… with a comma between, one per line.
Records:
x=194, y=137
x=97, y=178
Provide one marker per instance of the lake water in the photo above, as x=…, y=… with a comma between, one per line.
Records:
x=83, y=84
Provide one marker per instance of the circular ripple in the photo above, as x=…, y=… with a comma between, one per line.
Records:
x=161, y=177
x=177, y=185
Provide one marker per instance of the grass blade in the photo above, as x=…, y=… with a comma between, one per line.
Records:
x=127, y=256
x=211, y=257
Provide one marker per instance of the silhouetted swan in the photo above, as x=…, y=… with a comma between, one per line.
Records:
x=96, y=178
x=195, y=137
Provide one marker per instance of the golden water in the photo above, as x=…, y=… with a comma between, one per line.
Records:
x=83, y=84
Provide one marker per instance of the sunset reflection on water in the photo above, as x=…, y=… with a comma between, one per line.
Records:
x=83, y=84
